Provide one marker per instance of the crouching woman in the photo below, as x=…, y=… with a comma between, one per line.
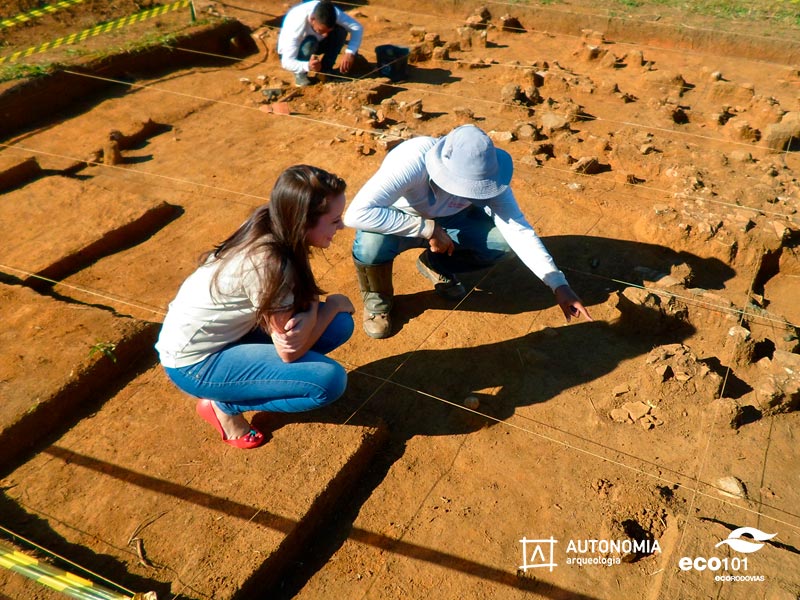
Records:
x=247, y=330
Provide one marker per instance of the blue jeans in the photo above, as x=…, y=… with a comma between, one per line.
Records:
x=478, y=244
x=330, y=46
x=249, y=375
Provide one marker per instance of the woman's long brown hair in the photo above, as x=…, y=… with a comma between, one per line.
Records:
x=278, y=230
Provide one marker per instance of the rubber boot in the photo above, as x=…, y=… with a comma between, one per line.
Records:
x=377, y=293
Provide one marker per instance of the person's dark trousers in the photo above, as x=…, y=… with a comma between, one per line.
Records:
x=330, y=47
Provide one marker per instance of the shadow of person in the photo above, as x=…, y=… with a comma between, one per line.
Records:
x=421, y=392
x=595, y=267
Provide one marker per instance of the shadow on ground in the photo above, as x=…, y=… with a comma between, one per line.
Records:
x=595, y=267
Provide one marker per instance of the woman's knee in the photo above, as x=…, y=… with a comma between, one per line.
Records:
x=337, y=333
x=332, y=383
x=343, y=327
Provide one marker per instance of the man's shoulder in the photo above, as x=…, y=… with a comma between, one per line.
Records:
x=409, y=155
x=302, y=7
x=415, y=145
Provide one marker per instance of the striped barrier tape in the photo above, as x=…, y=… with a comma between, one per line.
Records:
x=37, y=12
x=97, y=30
x=55, y=578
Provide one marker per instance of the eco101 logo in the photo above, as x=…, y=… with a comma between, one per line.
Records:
x=733, y=568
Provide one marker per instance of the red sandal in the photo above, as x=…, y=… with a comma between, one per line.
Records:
x=253, y=439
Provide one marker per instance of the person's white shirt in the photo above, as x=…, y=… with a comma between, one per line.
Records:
x=400, y=199
x=202, y=319
x=296, y=27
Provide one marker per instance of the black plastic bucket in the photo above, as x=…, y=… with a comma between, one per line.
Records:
x=392, y=61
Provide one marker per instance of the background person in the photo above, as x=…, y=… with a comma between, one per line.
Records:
x=312, y=36
x=247, y=330
x=450, y=196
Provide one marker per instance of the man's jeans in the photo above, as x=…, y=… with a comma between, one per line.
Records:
x=329, y=47
x=478, y=244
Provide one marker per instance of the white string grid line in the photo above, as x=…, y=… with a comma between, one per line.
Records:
x=373, y=133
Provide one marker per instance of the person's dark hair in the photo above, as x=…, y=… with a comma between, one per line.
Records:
x=301, y=195
x=324, y=13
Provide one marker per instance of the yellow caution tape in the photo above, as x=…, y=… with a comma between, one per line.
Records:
x=97, y=30
x=37, y=12
x=55, y=578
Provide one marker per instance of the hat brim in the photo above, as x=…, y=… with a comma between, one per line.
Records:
x=454, y=183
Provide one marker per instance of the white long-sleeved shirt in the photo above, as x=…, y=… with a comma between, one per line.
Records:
x=400, y=199
x=296, y=27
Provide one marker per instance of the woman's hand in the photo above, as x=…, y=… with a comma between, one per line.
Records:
x=294, y=334
x=291, y=332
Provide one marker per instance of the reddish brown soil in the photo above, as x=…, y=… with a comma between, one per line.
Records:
x=651, y=155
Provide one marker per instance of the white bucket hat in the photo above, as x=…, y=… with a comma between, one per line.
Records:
x=466, y=163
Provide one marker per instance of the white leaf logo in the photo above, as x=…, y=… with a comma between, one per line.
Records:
x=745, y=546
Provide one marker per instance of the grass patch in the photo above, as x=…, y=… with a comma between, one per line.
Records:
x=150, y=39
x=23, y=71
x=784, y=12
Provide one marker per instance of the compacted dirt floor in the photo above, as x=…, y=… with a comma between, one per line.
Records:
x=657, y=158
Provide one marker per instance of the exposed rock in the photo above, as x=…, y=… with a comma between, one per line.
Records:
x=739, y=130
x=441, y=53
x=480, y=17
x=739, y=346
x=500, y=136
x=726, y=91
x=433, y=39
x=634, y=58
x=778, y=389
x=620, y=415
x=551, y=122
x=509, y=23
x=673, y=83
x=740, y=156
x=511, y=93
x=111, y=150
x=469, y=38
x=417, y=33
x=676, y=364
x=734, y=415
x=731, y=487
x=646, y=312
x=784, y=135
x=587, y=165
x=636, y=409
x=420, y=52
x=525, y=131
x=621, y=389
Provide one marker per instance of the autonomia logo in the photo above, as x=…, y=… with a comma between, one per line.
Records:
x=746, y=546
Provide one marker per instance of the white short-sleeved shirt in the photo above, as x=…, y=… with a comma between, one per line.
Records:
x=202, y=320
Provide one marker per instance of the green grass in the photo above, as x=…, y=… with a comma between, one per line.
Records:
x=107, y=349
x=19, y=70
x=22, y=71
x=785, y=12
